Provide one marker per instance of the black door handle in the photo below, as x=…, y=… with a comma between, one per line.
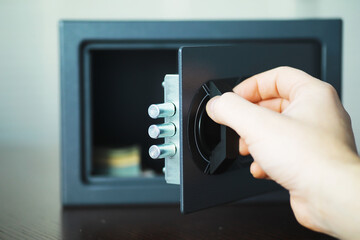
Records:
x=227, y=149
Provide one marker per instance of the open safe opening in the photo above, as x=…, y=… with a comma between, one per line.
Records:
x=123, y=84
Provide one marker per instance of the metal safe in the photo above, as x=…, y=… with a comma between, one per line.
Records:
x=111, y=72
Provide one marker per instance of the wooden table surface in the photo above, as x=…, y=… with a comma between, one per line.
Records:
x=30, y=209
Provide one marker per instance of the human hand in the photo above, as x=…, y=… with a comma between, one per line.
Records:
x=299, y=135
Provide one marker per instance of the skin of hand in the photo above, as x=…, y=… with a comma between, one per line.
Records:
x=300, y=136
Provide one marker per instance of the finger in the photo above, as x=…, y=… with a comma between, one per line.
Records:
x=276, y=104
x=257, y=171
x=243, y=148
x=246, y=118
x=281, y=82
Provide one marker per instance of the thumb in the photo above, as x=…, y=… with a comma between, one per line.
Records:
x=247, y=119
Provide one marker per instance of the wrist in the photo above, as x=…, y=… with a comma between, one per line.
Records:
x=337, y=200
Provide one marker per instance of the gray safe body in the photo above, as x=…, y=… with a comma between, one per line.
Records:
x=112, y=71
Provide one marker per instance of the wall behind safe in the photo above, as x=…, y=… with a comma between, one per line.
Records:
x=29, y=54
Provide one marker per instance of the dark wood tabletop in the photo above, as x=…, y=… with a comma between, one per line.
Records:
x=30, y=208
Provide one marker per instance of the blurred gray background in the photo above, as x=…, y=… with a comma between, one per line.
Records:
x=29, y=56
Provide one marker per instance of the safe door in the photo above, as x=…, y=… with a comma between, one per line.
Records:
x=201, y=155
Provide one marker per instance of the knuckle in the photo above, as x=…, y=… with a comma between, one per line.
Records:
x=284, y=68
x=348, y=118
x=330, y=90
x=290, y=70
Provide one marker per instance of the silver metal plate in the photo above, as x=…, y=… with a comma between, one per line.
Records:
x=171, y=93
